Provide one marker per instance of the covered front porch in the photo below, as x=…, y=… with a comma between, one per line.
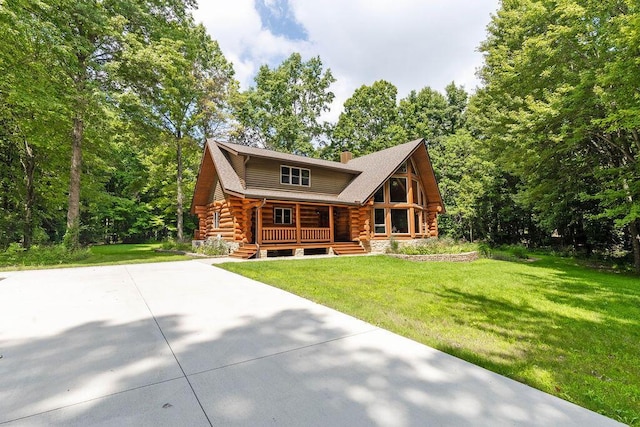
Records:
x=282, y=222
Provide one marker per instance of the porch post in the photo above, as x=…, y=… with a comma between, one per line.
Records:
x=412, y=222
x=331, y=235
x=258, y=237
x=298, y=223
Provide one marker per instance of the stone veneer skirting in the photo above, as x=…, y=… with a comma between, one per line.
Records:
x=463, y=257
x=381, y=246
x=210, y=241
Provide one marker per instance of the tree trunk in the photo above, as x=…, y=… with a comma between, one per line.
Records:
x=634, y=229
x=73, y=212
x=180, y=236
x=29, y=166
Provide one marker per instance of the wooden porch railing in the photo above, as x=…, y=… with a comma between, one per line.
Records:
x=288, y=235
x=315, y=234
x=278, y=234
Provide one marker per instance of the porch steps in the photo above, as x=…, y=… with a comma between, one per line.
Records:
x=245, y=252
x=348, y=248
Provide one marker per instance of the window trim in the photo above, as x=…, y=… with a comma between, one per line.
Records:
x=406, y=189
x=406, y=212
x=290, y=175
x=384, y=194
x=282, y=215
x=383, y=224
x=216, y=219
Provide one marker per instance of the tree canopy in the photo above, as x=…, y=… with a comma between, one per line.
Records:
x=282, y=112
x=560, y=111
x=104, y=106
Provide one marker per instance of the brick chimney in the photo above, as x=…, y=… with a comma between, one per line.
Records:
x=345, y=156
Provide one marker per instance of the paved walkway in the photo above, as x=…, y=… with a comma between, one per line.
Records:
x=188, y=344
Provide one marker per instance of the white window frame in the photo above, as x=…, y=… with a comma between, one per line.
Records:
x=295, y=172
x=282, y=216
x=216, y=219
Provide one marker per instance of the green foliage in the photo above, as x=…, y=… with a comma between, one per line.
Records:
x=439, y=246
x=16, y=256
x=174, y=245
x=115, y=71
x=370, y=122
x=558, y=112
x=394, y=246
x=517, y=251
x=282, y=111
x=214, y=248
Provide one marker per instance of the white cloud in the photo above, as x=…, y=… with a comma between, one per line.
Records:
x=411, y=43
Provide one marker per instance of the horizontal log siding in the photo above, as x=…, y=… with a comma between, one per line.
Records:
x=360, y=219
x=265, y=173
x=235, y=219
x=309, y=217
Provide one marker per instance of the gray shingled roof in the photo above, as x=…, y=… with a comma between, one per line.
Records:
x=276, y=155
x=298, y=196
x=228, y=177
x=376, y=169
x=372, y=170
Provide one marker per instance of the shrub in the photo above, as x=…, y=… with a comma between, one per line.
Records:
x=16, y=256
x=439, y=246
x=517, y=251
x=173, y=245
x=485, y=249
x=217, y=247
x=394, y=246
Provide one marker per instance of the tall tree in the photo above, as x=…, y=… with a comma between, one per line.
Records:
x=282, y=112
x=180, y=86
x=370, y=122
x=87, y=37
x=32, y=116
x=558, y=76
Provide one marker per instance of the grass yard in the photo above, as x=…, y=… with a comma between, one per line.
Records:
x=553, y=324
x=95, y=255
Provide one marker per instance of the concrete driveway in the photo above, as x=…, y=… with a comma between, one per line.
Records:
x=188, y=344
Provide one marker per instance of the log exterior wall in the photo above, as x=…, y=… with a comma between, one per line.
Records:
x=235, y=219
x=360, y=220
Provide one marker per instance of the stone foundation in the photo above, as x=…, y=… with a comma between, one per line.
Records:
x=381, y=246
x=210, y=241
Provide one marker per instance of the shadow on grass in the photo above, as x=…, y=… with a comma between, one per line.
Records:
x=578, y=338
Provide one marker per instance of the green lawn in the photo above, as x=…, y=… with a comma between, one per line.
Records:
x=560, y=327
x=95, y=255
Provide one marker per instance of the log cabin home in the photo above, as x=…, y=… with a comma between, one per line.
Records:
x=267, y=203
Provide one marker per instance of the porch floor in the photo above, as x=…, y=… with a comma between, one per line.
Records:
x=319, y=245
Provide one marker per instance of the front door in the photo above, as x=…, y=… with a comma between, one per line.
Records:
x=341, y=225
x=253, y=212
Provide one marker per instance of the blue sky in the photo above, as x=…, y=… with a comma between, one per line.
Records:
x=411, y=43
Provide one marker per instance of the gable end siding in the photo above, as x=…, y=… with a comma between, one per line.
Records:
x=237, y=163
x=216, y=192
x=265, y=173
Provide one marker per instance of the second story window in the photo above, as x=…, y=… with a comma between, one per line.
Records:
x=295, y=176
